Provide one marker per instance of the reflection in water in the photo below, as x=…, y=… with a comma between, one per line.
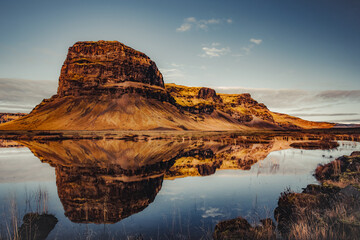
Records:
x=106, y=181
x=98, y=195
x=36, y=226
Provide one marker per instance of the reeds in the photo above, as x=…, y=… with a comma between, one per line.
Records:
x=11, y=220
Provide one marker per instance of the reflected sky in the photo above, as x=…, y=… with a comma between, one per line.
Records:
x=188, y=206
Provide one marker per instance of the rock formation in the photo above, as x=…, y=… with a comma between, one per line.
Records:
x=107, y=68
x=106, y=85
x=240, y=107
x=7, y=117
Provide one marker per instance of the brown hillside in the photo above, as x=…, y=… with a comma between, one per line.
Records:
x=106, y=85
x=240, y=107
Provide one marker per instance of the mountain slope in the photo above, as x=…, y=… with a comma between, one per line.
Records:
x=106, y=85
x=240, y=107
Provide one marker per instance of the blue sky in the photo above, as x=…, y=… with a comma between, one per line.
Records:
x=304, y=46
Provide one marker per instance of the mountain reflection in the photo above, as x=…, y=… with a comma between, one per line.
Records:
x=105, y=181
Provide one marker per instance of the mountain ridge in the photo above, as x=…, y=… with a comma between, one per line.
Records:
x=106, y=85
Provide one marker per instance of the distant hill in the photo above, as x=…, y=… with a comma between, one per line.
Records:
x=7, y=117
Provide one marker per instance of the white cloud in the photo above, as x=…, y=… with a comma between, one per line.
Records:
x=184, y=27
x=190, y=19
x=203, y=24
x=214, y=52
x=211, y=21
x=256, y=41
x=172, y=74
x=21, y=95
x=247, y=49
x=176, y=65
x=212, y=213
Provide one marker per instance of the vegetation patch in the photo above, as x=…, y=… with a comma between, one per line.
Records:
x=327, y=211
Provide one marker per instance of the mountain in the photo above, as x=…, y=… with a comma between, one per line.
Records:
x=7, y=117
x=106, y=85
x=241, y=107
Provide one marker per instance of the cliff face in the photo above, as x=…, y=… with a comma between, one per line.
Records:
x=94, y=68
x=106, y=85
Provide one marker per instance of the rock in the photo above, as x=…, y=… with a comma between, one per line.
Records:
x=315, y=145
x=355, y=154
x=92, y=68
x=208, y=93
x=344, y=169
x=350, y=191
x=37, y=226
x=239, y=228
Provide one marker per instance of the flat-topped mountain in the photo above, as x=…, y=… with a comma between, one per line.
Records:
x=107, y=68
x=106, y=85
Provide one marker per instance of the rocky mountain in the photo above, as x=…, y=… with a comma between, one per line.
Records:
x=7, y=117
x=106, y=85
x=241, y=107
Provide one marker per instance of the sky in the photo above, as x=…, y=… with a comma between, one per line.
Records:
x=297, y=57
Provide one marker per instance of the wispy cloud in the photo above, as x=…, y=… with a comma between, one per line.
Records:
x=214, y=50
x=21, y=95
x=256, y=41
x=325, y=114
x=171, y=74
x=347, y=121
x=340, y=94
x=212, y=213
x=203, y=24
x=248, y=48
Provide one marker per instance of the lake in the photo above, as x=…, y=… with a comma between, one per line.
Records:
x=155, y=189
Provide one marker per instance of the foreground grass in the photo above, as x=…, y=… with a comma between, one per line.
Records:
x=327, y=211
x=36, y=223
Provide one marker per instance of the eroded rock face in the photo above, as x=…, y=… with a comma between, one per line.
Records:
x=208, y=93
x=96, y=195
x=93, y=68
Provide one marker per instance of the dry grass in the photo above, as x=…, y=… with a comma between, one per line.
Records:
x=10, y=226
x=338, y=222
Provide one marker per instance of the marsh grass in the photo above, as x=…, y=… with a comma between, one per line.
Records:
x=10, y=225
x=340, y=221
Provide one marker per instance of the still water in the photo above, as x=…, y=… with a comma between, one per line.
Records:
x=105, y=189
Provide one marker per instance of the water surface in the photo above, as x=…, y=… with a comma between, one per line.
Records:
x=152, y=189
